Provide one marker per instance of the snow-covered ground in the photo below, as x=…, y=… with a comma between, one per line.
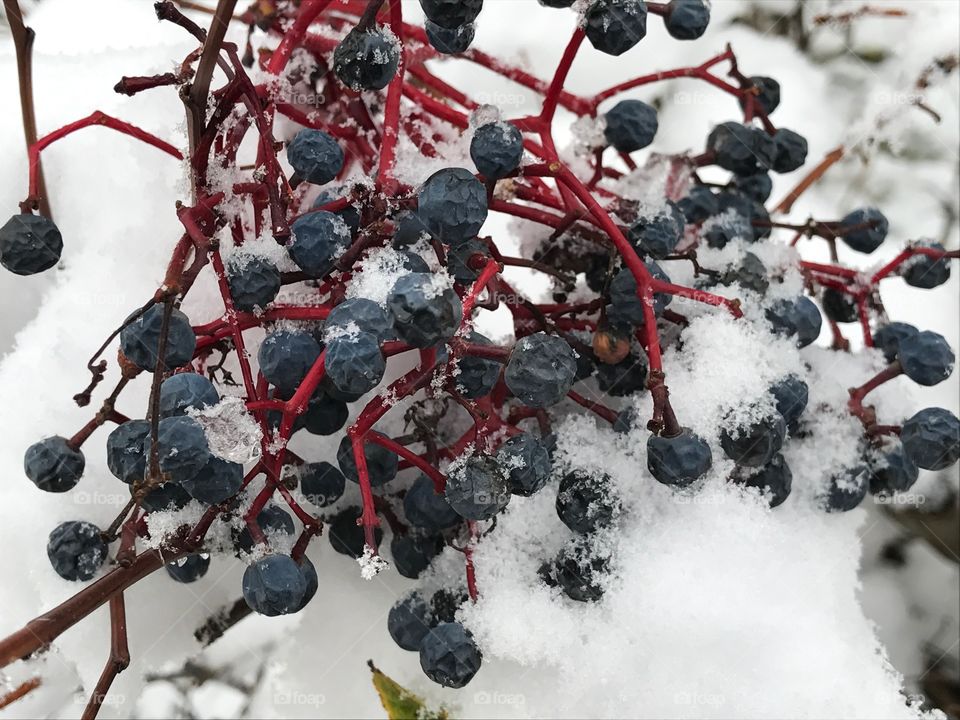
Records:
x=721, y=607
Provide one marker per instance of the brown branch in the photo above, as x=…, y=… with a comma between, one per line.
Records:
x=119, y=659
x=20, y=691
x=196, y=100
x=23, y=38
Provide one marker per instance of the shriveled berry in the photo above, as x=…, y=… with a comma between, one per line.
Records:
x=358, y=314
x=725, y=227
x=315, y=156
x=798, y=317
x=425, y=508
x=452, y=204
x=254, y=281
x=923, y=271
x=354, y=364
x=774, y=479
x=838, y=306
x=630, y=125
x=366, y=59
x=449, y=656
x=477, y=375
x=768, y=97
x=678, y=460
x=754, y=445
x=140, y=340
x=791, y=150
x=699, y=204
x=381, y=463
x=754, y=212
x=186, y=391
x=274, y=585
x=409, y=621
x=217, y=481
x=615, y=26
x=686, y=19
x=892, y=471
x=477, y=489
x=578, y=570
x=76, y=550
x=750, y=273
x=791, y=395
x=741, y=149
x=425, y=311
x=757, y=186
x=52, y=465
x=286, y=357
x=931, y=438
x=125, y=450
x=182, y=446
x=541, y=370
x=496, y=149
x=658, y=236
x=321, y=483
x=846, y=489
x=527, y=462
x=319, y=238
x=586, y=501
x=29, y=244
x=188, y=569
x=926, y=358
x=887, y=338
x=864, y=230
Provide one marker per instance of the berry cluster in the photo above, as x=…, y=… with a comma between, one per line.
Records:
x=338, y=206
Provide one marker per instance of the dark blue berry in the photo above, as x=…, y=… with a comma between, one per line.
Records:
x=678, y=460
x=450, y=41
x=773, y=479
x=286, y=357
x=797, y=317
x=699, y=204
x=140, y=340
x=925, y=272
x=350, y=214
x=381, y=463
x=477, y=489
x=868, y=238
x=838, y=306
x=451, y=13
x=527, y=463
x=412, y=553
x=754, y=445
x=186, y=391
x=274, y=585
x=425, y=508
x=931, y=438
x=366, y=315
x=354, y=364
x=578, y=570
x=750, y=209
x=188, y=569
x=726, y=227
x=29, y=244
x=408, y=229
x=254, y=281
x=791, y=396
x=750, y=273
x=409, y=621
x=615, y=26
x=926, y=358
x=768, y=97
x=791, y=151
x=319, y=238
x=892, y=471
x=346, y=536
x=125, y=450
x=659, y=235
x=446, y=603
x=423, y=314
x=449, y=656
x=321, y=483
x=557, y=3
x=217, y=481
x=315, y=156
x=324, y=415
x=846, y=489
x=887, y=338
x=183, y=449
x=313, y=581
x=52, y=465
x=366, y=59
x=541, y=370
x=757, y=187
x=168, y=497
x=76, y=550
x=496, y=149
x=477, y=375
x=452, y=204
x=412, y=262
x=741, y=149
x=623, y=378
x=630, y=125
x=686, y=19
x=460, y=260
x=586, y=502
x=272, y=520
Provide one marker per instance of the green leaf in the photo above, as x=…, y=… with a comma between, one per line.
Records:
x=400, y=703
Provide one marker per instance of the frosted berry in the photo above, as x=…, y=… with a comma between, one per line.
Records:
x=926, y=358
x=931, y=438
x=254, y=281
x=76, y=550
x=678, y=460
x=452, y=204
x=358, y=314
x=496, y=149
x=462, y=258
x=424, y=314
x=791, y=396
x=29, y=244
x=315, y=156
x=578, y=570
x=798, y=318
x=186, y=391
x=272, y=520
x=846, y=489
x=754, y=445
x=750, y=273
x=477, y=489
x=658, y=236
x=349, y=214
x=541, y=370
x=586, y=501
x=449, y=656
x=188, y=569
x=274, y=585
x=408, y=229
x=892, y=471
x=52, y=465
x=615, y=26
x=381, y=463
x=757, y=186
x=867, y=229
x=725, y=227
x=925, y=272
x=527, y=462
x=366, y=59
x=319, y=238
x=140, y=340
x=217, y=481
x=773, y=479
x=630, y=125
x=321, y=483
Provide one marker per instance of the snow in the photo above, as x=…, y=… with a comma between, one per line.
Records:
x=720, y=607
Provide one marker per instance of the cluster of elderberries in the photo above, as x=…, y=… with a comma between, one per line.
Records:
x=338, y=201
